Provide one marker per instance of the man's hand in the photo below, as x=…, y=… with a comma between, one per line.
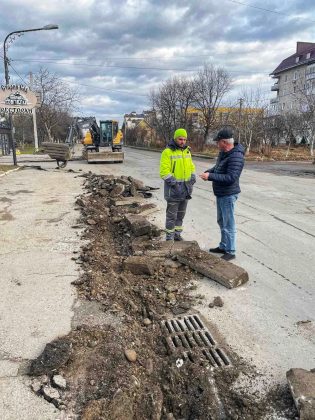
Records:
x=204, y=176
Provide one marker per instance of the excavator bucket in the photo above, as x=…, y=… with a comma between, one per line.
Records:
x=104, y=156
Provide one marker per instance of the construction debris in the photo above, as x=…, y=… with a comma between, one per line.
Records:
x=121, y=367
x=302, y=386
x=223, y=272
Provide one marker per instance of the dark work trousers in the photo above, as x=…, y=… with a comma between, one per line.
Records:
x=175, y=213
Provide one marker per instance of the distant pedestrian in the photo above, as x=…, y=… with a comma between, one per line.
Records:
x=178, y=171
x=225, y=183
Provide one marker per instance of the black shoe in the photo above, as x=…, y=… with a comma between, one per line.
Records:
x=228, y=257
x=217, y=250
x=178, y=238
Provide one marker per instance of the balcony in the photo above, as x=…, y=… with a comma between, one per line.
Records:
x=275, y=87
x=310, y=76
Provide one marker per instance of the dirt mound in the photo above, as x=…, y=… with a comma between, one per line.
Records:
x=125, y=369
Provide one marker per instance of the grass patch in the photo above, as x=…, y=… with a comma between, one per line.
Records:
x=26, y=150
x=6, y=168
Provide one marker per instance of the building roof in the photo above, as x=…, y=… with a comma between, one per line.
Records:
x=302, y=51
x=134, y=115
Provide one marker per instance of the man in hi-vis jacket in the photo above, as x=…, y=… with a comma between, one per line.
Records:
x=178, y=172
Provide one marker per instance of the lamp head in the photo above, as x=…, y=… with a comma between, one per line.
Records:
x=48, y=27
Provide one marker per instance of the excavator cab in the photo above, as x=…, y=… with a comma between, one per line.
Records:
x=110, y=136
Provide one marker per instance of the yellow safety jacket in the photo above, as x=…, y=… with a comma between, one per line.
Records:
x=178, y=171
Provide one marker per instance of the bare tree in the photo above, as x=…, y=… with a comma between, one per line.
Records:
x=23, y=126
x=211, y=84
x=292, y=126
x=58, y=101
x=171, y=103
x=251, y=117
x=307, y=106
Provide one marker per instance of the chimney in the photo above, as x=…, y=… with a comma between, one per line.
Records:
x=301, y=47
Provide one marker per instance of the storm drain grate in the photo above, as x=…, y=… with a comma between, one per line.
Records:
x=191, y=338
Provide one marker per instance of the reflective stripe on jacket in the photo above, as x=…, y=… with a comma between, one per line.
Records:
x=178, y=171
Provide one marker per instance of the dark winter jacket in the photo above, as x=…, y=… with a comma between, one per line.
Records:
x=226, y=172
x=178, y=171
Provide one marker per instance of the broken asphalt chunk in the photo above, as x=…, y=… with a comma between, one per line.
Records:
x=302, y=387
x=223, y=272
x=55, y=355
x=140, y=265
x=139, y=225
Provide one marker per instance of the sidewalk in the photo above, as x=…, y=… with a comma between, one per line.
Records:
x=24, y=158
x=36, y=215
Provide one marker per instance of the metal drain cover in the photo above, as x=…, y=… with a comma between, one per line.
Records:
x=189, y=337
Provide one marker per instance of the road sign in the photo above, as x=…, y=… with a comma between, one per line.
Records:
x=17, y=99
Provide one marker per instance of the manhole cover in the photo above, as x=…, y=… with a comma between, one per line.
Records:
x=190, y=338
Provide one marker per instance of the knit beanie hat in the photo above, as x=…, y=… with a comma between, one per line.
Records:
x=180, y=132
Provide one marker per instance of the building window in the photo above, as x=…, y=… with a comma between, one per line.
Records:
x=311, y=70
x=294, y=89
x=283, y=106
x=286, y=78
x=297, y=59
x=308, y=55
x=295, y=75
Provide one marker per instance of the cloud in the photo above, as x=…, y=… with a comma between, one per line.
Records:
x=115, y=52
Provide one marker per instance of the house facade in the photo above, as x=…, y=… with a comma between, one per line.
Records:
x=294, y=79
x=132, y=120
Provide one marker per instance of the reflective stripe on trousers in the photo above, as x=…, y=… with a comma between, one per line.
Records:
x=175, y=213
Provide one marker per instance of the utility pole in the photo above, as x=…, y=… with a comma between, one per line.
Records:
x=7, y=81
x=125, y=131
x=241, y=100
x=34, y=117
x=6, y=72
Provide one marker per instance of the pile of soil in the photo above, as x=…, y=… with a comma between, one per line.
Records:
x=123, y=369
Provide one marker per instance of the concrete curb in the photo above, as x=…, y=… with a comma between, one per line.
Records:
x=160, y=151
x=11, y=170
x=203, y=156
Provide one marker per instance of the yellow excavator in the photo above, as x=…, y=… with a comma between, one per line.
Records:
x=103, y=143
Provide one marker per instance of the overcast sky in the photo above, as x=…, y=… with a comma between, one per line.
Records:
x=115, y=52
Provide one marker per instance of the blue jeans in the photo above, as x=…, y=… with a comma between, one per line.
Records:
x=226, y=221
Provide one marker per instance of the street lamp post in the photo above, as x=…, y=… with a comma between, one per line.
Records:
x=6, y=73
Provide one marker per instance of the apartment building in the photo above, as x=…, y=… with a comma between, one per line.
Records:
x=294, y=78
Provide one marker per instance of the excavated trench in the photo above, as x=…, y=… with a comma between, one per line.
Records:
x=142, y=352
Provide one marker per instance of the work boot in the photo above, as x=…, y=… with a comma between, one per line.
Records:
x=169, y=237
x=178, y=237
x=228, y=257
x=217, y=250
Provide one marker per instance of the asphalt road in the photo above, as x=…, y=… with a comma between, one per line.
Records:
x=269, y=321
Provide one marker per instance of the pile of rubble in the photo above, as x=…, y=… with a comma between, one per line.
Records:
x=149, y=355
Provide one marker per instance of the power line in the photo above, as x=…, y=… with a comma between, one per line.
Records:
x=26, y=84
x=146, y=95
x=105, y=89
x=125, y=67
x=110, y=66
x=151, y=58
x=114, y=90
x=270, y=10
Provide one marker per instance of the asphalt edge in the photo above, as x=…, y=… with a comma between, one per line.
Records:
x=11, y=170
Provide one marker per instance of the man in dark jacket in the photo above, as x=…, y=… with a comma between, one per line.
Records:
x=225, y=183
